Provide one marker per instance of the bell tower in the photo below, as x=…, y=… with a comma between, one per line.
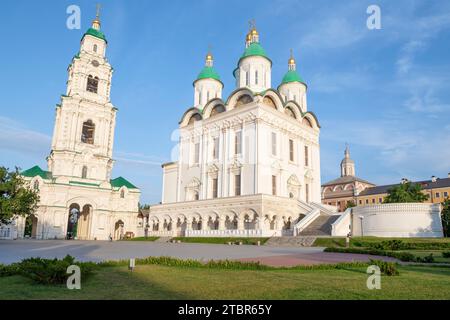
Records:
x=83, y=134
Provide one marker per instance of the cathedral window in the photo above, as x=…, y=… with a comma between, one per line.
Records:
x=291, y=150
x=274, y=185
x=306, y=156
x=92, y=84
x=274, y=144
x=256, y=77
x=207, y=96
x=289, y=112
x=307, y=192
x=195, y=117
x=122, y=193
x=214, y=187
x=247, y=78
x=269, y=101
x=84, y=172
x=237, y=185
x=95, y=48
x=216, y=148
x=197, y=153
x=36, y=185
x=306, y=122
x=238, y=142
x=217, y=109
x=244, y=99
x=87, y=134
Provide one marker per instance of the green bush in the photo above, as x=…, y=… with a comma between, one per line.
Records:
x=446, y=254
x=387, y=268
x=389, y=245
x=46, y=271
x=426, y=259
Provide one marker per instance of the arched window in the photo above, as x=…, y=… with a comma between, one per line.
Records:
x=256, y=77
x=195, y=117
x=247, y=78
x=36, y=185
x=95, y=48
x=244, y=99
x=87, y=134
x=269, y=101
x=306, y=122
x=84, y=172
x=217, y=109
x=289, y=112
x=122, y=193
x=92, y=84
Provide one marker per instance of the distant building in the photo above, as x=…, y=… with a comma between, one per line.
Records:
x=349, y=188
x=344, y=190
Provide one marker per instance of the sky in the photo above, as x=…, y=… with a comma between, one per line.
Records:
x=385, y=92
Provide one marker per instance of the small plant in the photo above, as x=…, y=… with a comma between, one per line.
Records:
x=426, y=259
x=389, y=245
x=446, y=254
x=387, y=268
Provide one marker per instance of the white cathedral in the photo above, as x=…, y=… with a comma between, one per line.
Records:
x=78, y=198
x=249, y=164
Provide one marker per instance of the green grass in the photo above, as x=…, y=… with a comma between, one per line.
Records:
x=219, y=240
x=172, y=282
x=442, y=243
x=142, y=239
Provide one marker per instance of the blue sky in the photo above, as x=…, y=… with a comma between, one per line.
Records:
x=385, y=92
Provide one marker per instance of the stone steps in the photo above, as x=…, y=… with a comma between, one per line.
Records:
x=321, y=226
x=290, y=241
x=163, y=239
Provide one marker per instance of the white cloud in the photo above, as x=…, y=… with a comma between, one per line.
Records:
x=14, y=136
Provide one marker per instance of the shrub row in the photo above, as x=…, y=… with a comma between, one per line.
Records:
x=403, y=256
x=46, y=271
x=400, y=244
x=446, y=254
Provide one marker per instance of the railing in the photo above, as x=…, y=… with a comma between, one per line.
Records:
x=306, y=221
x=341, y=227
x=324, y=208
x=229, y=233
x=162, y=233
x=5, y=232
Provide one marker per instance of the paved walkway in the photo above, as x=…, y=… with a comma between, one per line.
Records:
x=15, y=250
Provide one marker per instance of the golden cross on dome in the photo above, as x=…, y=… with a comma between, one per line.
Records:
x=252, y=24
x=98, y=10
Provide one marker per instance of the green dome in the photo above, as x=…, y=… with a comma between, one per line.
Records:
x=96, y=33
x=292, y=76
x=254, y=49
x=208, y=73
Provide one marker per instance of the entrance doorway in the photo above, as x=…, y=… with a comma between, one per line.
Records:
x=84, y=223
x=72, y=222
x=31, y=226
x=118, y=230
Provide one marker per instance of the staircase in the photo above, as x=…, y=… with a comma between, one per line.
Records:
x=290, y=241
x=163, y=239
x=321, y=226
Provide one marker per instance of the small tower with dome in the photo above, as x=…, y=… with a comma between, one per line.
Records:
x=292, y=87
x=207, y=86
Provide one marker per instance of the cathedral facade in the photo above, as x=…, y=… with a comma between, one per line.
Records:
x=78, y=197
x=248, y=164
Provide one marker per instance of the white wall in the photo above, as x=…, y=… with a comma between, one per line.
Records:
x=398, y=220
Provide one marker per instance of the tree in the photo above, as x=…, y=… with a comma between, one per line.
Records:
x=445, y=215
x=350, y=204
x=406, y=192
x=16, y=199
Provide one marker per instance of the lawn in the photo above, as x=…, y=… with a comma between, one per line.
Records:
x=169, y=282
x=220, y=240
x=419, y=247
x=142, y=239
